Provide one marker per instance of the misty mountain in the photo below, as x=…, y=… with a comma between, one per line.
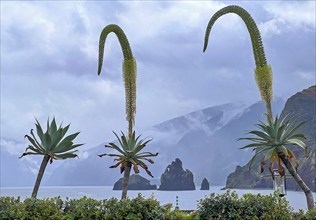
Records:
x=208, y=146
x=13, y=173
x=204, y=140
x=88, y=170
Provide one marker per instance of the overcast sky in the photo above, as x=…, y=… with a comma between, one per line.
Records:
x=49, y=55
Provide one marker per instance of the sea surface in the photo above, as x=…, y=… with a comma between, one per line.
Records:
x=187, y=200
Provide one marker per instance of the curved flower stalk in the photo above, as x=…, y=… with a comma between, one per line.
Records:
x=52, y=144
x=263, y=71
x=129, y=71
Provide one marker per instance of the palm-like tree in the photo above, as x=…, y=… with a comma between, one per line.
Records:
x=130, y=146
x=52, y=145
x=129, y=153
x=263, y=74
x=273, y=139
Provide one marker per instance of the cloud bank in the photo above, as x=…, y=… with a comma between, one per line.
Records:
x=49, y=53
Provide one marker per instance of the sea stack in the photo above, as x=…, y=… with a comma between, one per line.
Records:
x=175, y=178
x=136, y=182
x=205, y=185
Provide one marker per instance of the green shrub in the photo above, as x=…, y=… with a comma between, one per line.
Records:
x=50, y=208
x=299, y=215
x=249, y=206
x=11, y=208
x=181, y=215
x=223, y=206
x=83, y=208
x=266, y=207
x=31, y=208
x=311, y=214
x=136, y=208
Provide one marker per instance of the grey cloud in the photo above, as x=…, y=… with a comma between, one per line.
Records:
x=50, y=68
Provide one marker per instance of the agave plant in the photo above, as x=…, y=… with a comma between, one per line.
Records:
x=129, y=153
x=263, y=74
x=52, y=144
x=273, y=139
x=130, y=146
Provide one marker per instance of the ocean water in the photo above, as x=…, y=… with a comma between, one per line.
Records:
x=187, y=200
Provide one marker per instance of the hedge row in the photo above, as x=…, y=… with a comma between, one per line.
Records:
x=225, y=206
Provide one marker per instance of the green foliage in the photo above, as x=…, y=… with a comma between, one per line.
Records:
x=311, y=214
x=229, y=206
x=130, y=150
x=83, y=208
x=225, y=206
x=31, y=208
x=43, y=209
x=52, y=143
x=181, y=215
x=137, y=208
x=11, y=208
x=219, y=206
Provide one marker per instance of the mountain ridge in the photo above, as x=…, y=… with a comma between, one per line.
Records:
x=203, y=133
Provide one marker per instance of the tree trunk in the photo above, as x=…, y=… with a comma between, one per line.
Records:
x=300, y=182
x=40, y=175
x=126, y=179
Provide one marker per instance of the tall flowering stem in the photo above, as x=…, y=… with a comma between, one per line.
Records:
x=263, y=71
x=129, y=69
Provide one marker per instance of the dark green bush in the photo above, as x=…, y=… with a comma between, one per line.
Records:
x=225, y=206
x=11, y=208
x=137, y=208
x=311, y=214
x=249, y=206
x=50, y=208
x=82, y=209
x=181, y=215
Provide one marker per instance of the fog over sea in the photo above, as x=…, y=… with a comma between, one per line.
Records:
x=187, y=200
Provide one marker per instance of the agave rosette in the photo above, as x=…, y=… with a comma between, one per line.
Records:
x=52, y=142
x=129, y=150
x=272, y=138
